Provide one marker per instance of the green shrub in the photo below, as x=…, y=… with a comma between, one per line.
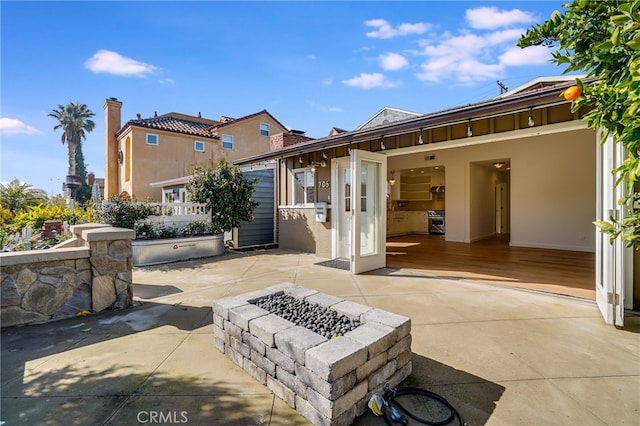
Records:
x=197, y=228
x=145, y=231
x=122, y=212
x=165, y=231
x=226, y=193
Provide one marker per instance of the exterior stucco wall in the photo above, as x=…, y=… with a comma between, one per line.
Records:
x=174, y=156
x=299, y=231
x=247, y=140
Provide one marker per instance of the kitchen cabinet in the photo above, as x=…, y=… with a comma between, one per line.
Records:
x=398, y=223
x=420, y=222
x=415, y=188
x=407, y=222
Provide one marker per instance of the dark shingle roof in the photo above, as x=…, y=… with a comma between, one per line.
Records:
x=170, y=123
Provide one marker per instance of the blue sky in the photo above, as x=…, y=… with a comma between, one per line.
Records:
x=313, y=65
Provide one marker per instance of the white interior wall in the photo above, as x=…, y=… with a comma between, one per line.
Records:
x=552, y=189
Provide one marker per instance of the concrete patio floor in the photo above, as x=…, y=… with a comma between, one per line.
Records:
x=501, y=356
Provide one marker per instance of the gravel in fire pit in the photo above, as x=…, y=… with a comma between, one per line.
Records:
x=325, y=322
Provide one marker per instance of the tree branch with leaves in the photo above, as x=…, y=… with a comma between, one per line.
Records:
x=602, y=38
x=226, y=193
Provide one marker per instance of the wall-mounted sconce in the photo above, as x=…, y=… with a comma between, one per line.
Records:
x=420, y=139
x=498, y=164
x=300, y=159
x=324, y=154
x=392, y=181
x=530, y=121
x=469, y=130
x=314, y=165
x=382, y=147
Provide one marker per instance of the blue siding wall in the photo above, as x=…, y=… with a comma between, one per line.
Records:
x=261, y=229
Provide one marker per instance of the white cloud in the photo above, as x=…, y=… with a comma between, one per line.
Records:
x=386, y=30
x=488, y=18
x=106, y=61
x=11, y=126
x=393, y=61
x=368, y=81
x=529, y=56
x=324, y=108
x=167, y=81
x=472, y=57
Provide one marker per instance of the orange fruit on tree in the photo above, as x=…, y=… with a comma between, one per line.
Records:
x=572, y=93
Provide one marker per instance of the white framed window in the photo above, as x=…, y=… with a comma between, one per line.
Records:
x=198, y=146
x=304, y=187
x=152, y=139
x=265, y=129
x=227, y=141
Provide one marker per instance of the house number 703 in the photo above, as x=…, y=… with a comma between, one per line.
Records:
x=324, y=184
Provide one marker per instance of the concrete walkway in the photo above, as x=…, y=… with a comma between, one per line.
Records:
x=502, y=356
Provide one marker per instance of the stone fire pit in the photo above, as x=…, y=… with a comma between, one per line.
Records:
x=328, y=381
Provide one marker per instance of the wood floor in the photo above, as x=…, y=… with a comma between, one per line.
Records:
x=493, y=260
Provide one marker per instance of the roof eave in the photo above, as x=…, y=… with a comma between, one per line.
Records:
x=523, y=101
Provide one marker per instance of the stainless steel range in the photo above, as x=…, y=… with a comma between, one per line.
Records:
x=436, y=221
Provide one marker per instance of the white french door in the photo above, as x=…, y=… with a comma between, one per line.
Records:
x=613, y=263
x=341, y=211
x=368, y=211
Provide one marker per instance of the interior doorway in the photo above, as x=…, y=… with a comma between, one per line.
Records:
x=502, y=208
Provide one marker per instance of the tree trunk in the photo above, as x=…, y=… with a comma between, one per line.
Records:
x=71, y=145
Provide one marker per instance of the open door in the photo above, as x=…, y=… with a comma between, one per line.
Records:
x=369, y=213
x=611, y=259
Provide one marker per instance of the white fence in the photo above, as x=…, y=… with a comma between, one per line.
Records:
x=180, y=209
x=24, y=240
x=178, y=214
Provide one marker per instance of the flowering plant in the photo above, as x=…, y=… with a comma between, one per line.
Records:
x=226, y=193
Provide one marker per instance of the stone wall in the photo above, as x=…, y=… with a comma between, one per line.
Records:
x=57, y=283
x=328, y=381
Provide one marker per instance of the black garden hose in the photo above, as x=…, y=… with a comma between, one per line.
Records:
x=392, y=416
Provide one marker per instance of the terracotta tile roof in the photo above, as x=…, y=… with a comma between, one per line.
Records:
x=174, y=122
x=170, y=123
x=227, y=121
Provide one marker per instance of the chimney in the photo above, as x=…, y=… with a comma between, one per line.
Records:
x=283, y=140
x=139, y=116
x=112, y=124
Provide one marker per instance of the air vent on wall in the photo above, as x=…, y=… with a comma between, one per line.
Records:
x=429, y=157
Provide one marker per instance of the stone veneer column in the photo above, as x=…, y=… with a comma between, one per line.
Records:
x=111, y=265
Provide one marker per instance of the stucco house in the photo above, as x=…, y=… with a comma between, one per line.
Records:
x=145, y=155
x=522, y=164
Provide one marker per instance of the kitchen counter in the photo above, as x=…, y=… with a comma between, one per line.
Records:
x=407, y=222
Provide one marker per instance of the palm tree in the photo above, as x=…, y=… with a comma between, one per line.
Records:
x=74, y=120
x=17, y=196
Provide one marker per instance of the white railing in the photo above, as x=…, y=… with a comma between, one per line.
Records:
x=180, y=209
x=177, y=214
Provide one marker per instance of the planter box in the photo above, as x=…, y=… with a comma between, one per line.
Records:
x=153, y=252
x=328, y=381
